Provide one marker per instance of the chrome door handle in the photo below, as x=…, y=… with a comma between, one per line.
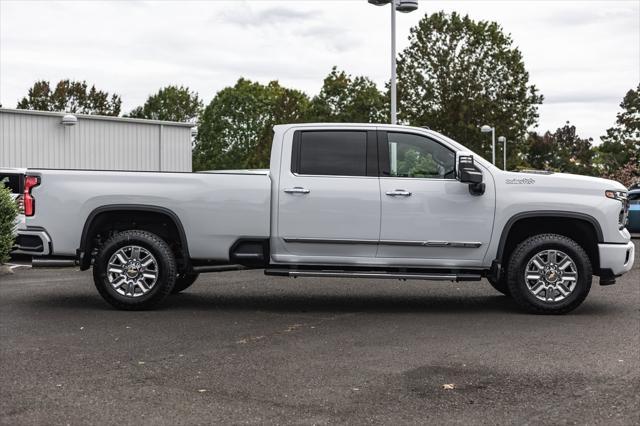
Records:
x=400, y=192
x=297, y=190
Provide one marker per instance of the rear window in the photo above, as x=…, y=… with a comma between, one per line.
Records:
x=12, y=181
x=335, y=153
x=634, y=198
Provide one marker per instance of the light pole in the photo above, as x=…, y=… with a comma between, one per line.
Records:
x=404, y=6
x=504, y=151
x=487, y=129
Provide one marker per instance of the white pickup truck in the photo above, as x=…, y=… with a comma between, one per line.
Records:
x=340, y=200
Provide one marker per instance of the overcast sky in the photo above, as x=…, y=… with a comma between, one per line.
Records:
x=582, y=55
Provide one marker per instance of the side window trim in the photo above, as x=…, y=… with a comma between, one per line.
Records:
x=295, y=152
x=371, y=152
x=384, y=163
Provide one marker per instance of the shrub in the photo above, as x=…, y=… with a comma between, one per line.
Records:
x=8, y=213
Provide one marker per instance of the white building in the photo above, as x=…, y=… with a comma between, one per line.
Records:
x=40, y=139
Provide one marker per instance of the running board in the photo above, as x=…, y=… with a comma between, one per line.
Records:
x=373, y=274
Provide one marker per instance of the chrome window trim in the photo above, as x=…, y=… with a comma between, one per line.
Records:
x=333, y=176
x=420, y=178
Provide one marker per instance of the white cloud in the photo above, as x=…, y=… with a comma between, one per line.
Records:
x=583, y=56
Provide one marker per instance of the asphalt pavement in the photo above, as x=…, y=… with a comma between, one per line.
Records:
x=243, y=348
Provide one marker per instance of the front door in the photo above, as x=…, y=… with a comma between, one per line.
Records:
x=428, y=217
x=329, y=198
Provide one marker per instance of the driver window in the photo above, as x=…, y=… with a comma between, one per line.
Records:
x=417, y=156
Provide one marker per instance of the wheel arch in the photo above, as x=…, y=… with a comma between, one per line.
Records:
x=93, y=220
x=581, y=227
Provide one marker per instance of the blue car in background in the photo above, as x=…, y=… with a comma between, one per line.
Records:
x=633, y=224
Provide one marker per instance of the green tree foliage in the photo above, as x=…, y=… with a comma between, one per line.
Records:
x=235, y=129
x=412, y=164
x=71, y=96
x=8, y=213
x=562, y=150
x=171, y=103
x=621, y=145
x=628, y=174
x=347, y=99
x=458, y=74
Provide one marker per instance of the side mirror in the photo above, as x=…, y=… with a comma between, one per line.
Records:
x=469, y=173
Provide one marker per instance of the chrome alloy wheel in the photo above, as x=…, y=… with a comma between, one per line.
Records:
x=132, y=271
x=551, y=275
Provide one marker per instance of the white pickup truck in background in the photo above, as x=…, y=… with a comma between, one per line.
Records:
x=339, y=200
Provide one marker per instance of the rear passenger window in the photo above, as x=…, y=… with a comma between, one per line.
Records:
x=337, y=153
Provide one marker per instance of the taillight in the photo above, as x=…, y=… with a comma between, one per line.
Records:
x=30, y=182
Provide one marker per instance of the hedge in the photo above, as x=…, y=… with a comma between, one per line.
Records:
x=8, y=213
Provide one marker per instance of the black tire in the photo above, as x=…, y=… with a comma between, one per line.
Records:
x=183, y=282
x=165, y=270
x=501, y=285
x=526, y=251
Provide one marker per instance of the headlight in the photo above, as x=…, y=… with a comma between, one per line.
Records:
x=624, y=211
x=616, y=195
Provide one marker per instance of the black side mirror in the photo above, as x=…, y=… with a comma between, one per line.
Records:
x=469, y=173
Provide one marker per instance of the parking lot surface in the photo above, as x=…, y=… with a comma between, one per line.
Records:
x=240, y=347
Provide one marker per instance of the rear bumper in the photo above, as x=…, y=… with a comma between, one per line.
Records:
x=33, y=241
x=616, y=259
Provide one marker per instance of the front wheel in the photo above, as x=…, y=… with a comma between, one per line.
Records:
x=549, y=274
x=134, y=270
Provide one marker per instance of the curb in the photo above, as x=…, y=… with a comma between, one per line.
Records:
x=5, y=270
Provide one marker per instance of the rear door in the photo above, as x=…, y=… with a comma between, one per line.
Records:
x=328, y=197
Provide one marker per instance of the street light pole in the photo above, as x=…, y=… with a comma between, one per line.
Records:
x=394, y=99
x=493, y=142
x=487, y=129
x=504, y=151
x=404, y=6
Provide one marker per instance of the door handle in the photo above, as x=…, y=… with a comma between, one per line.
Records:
x=399, y=192
x=297, y=190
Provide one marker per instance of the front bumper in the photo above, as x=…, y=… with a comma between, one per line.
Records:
x=616, y=259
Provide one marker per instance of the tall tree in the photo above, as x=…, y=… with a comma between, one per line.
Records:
x=562, y=150
x=347, y=99
x=235, y=129
x=621, y=145
x=71, y=96
x=458, y=74
x=171, y=103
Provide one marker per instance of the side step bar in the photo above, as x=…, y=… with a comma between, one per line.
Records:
x=434, y=276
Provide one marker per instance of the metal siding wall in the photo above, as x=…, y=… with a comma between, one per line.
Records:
x=176, y=148
x=41, y=141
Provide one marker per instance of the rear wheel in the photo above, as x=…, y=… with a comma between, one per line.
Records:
x=134, y=270
x=549, y=274
x=183, y=282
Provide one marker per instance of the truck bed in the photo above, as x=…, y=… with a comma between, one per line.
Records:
x=214, y=207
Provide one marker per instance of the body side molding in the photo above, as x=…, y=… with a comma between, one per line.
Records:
x=452, y=244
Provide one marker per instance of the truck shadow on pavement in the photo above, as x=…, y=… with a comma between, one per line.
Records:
x=285, y=303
